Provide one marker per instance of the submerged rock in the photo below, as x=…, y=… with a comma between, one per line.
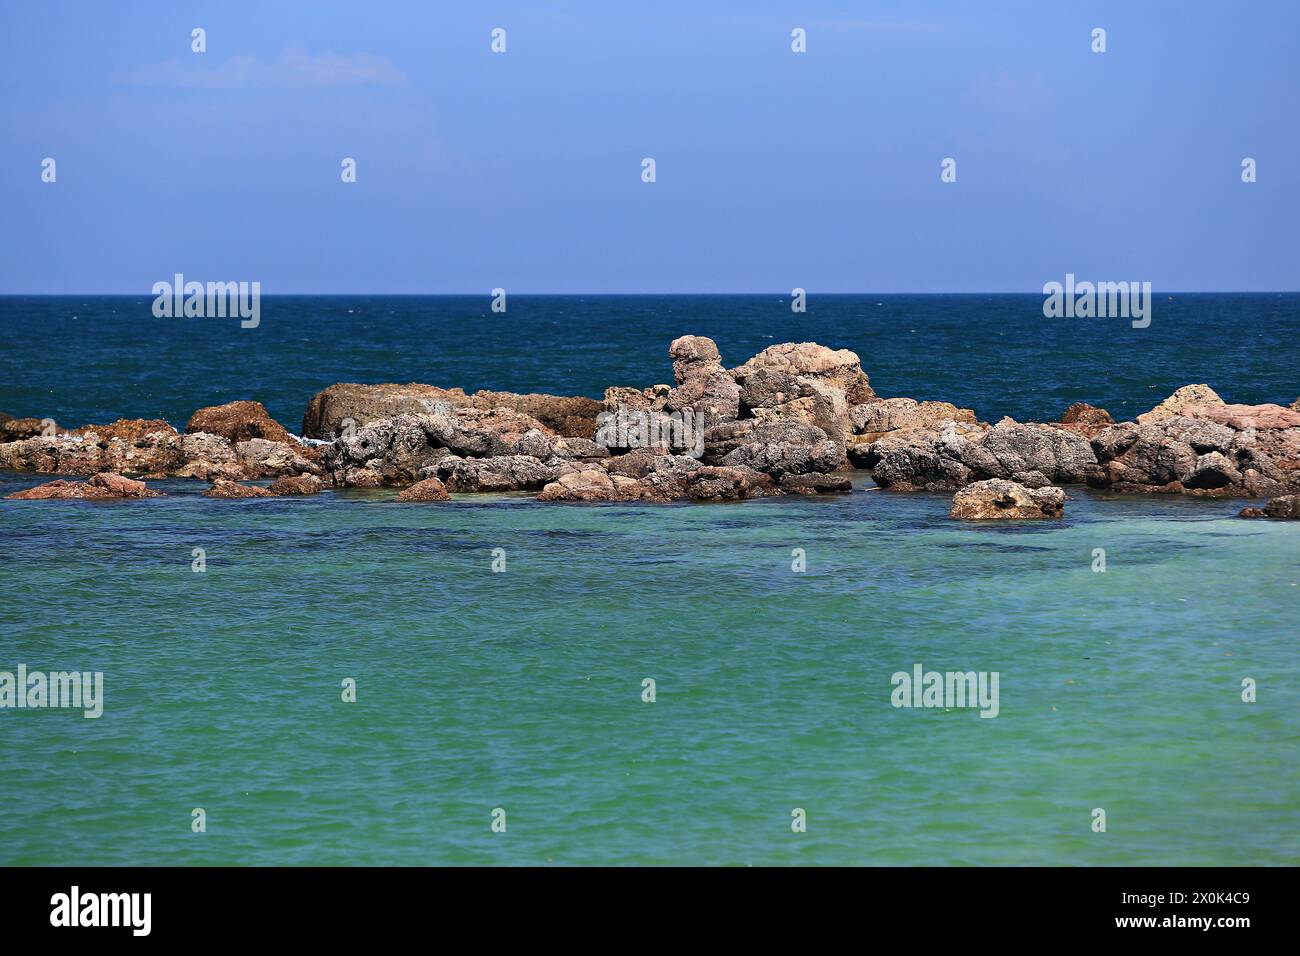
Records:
x=222, y=488
x=996, y=498
x=103, y=485
x=1286, y=507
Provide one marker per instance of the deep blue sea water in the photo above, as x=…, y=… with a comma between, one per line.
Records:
x=522, y=690
x=83, y=359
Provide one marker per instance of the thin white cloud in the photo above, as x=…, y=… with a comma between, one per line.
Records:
x=295, y=69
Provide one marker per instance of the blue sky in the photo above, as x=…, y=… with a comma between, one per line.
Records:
x=523, y=170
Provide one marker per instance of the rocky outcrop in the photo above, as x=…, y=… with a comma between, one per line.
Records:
x=342, y=408
x=222, y=488
x=957, y=455
x=1215, y=450
x=430, y=489
x=995, y=498
x=100, y=486
x=1286, y=507
x=1180, y=399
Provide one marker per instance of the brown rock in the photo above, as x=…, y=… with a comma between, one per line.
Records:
x=296, y=485
x=430, y=489
x=127, y=429
x=19, y=429
x=239, y=421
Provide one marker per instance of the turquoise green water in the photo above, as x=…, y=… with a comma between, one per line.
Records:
x=522, y=690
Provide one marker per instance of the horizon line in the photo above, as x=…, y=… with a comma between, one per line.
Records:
x=778, y=294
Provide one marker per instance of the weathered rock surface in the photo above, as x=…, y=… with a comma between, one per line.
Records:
x=430, y=489
x=104, y=485
x=222, y=488
x=407, y=448
x=329, y=410
x=957, y=455
x=500, y=473
x=995, y=498
x=777, y=448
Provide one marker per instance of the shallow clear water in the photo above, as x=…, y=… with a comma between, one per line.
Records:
x=522, y=690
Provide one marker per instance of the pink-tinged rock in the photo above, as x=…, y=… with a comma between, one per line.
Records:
x=1243, y=417
x=100, y=486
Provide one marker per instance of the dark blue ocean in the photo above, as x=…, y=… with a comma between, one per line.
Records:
x=91, y=359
